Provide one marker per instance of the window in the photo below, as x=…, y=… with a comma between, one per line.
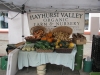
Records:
x=3, y=21
x=86, y=27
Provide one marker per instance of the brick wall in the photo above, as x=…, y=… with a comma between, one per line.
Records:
x=3, y=43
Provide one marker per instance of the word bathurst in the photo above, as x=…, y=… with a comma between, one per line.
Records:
x=51, y=15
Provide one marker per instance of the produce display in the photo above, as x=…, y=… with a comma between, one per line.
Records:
x=36, y=35
x=37, y=32
x=28, y=47
x=48, y=37
x=45, y=45
x=64, y=44
x=62, y=33
x=58, y=38
x=62, y=36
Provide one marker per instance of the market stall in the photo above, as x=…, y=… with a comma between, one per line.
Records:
x=51, y=39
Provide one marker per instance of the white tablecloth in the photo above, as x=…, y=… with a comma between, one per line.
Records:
x=32, y=58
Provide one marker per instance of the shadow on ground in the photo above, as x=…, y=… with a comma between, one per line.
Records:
x=51, y=69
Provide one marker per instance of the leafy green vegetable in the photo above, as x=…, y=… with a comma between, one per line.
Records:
x=44, y=45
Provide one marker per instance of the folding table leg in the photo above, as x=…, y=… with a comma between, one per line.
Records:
x=62, y=72
x=27, y=70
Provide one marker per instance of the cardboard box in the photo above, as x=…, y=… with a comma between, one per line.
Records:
x=79, y=41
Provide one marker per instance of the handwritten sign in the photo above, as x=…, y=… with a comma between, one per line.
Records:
x=75, y=20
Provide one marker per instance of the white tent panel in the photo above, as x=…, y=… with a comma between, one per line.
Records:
x=12, y=66
x=17, y=27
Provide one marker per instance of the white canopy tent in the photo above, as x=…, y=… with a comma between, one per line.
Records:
x=48, y=5
x=39, y=6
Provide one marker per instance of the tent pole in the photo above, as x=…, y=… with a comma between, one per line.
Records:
x=23, y=11
x=22, y=27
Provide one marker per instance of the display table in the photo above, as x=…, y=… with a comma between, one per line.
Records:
x=34, y=59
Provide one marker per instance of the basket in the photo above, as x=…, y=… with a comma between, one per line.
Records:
x=41, y=72
x=41, y=67
x=44, y=51
x=64, y=29
x=62, y=33
x=64, y=50
x=32, y=40
x=35, y=28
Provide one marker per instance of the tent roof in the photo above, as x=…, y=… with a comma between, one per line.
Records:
x=48, y=5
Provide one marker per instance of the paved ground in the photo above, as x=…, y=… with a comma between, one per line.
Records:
x=3, y=46
x=51, y=70
x=87, y=49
